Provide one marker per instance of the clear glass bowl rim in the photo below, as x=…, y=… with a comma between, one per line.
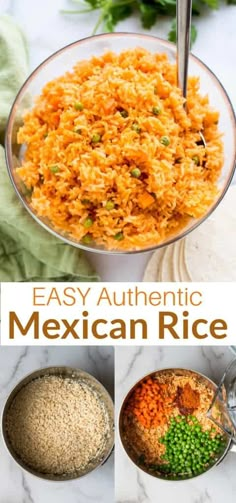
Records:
x=10, y=121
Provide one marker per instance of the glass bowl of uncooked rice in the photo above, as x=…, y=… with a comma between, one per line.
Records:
x=58, y=423
x=104, y=155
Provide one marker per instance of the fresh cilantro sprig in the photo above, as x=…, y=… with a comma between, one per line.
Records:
x=172, y=33
x=111, y=12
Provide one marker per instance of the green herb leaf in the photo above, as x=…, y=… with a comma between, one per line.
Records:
x=148, y=14
x=193, y=34
x=172, y=35
x=196, y=8
x=213, y=4
x=94, y=3
x=115, y=14
x=111, y=12
x=166, y=7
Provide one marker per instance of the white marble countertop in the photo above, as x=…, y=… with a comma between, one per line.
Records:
x=133, y=485
x=47, y=30
x=17, y=486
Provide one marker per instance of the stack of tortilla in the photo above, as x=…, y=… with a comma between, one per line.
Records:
x=206, y=254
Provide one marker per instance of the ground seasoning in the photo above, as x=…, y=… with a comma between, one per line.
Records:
x=187, y=399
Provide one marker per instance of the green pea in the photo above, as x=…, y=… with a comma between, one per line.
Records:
x=88, y=222
x=79, y=106
x=87, y=239
x=85, y=201
x=119, y=236
x=78, y=131
x=164, y=140
x=136, y=173
x=96, y=138
x=136, y=127
x=156, y=110
x=188, y=447
x=196, y=160
x=124, y=114
x=54, y=169
x=110, y=205
x=27, y=192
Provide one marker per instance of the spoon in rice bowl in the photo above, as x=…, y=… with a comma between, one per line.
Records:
x=184, y=13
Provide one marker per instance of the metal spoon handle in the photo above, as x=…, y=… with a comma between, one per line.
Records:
x=184, y=12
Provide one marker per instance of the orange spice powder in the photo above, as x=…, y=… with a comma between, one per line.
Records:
x=187, y=399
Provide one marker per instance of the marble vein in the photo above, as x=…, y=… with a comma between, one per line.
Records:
x=98, y=365
x=142, y=495
x=126, y=501
x=211, y=362
x=86, y=497
x=27, y=498
x=130, y=366
x=24, y=354
x=204, y=498
x=44, y=360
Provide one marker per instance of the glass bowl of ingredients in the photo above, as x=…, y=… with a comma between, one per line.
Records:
x=102, y=152
x=164, y=427
x=66, y=415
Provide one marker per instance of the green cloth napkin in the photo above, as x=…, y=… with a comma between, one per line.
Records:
x=27, y=251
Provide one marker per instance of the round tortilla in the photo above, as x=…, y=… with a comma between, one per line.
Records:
x=210, y=251
x=151, y=271
x=166, y=266
x=176, y=258
x=206, y=254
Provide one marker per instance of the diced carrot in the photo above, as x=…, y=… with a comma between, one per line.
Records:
x=150, y=402
x=145, y=200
